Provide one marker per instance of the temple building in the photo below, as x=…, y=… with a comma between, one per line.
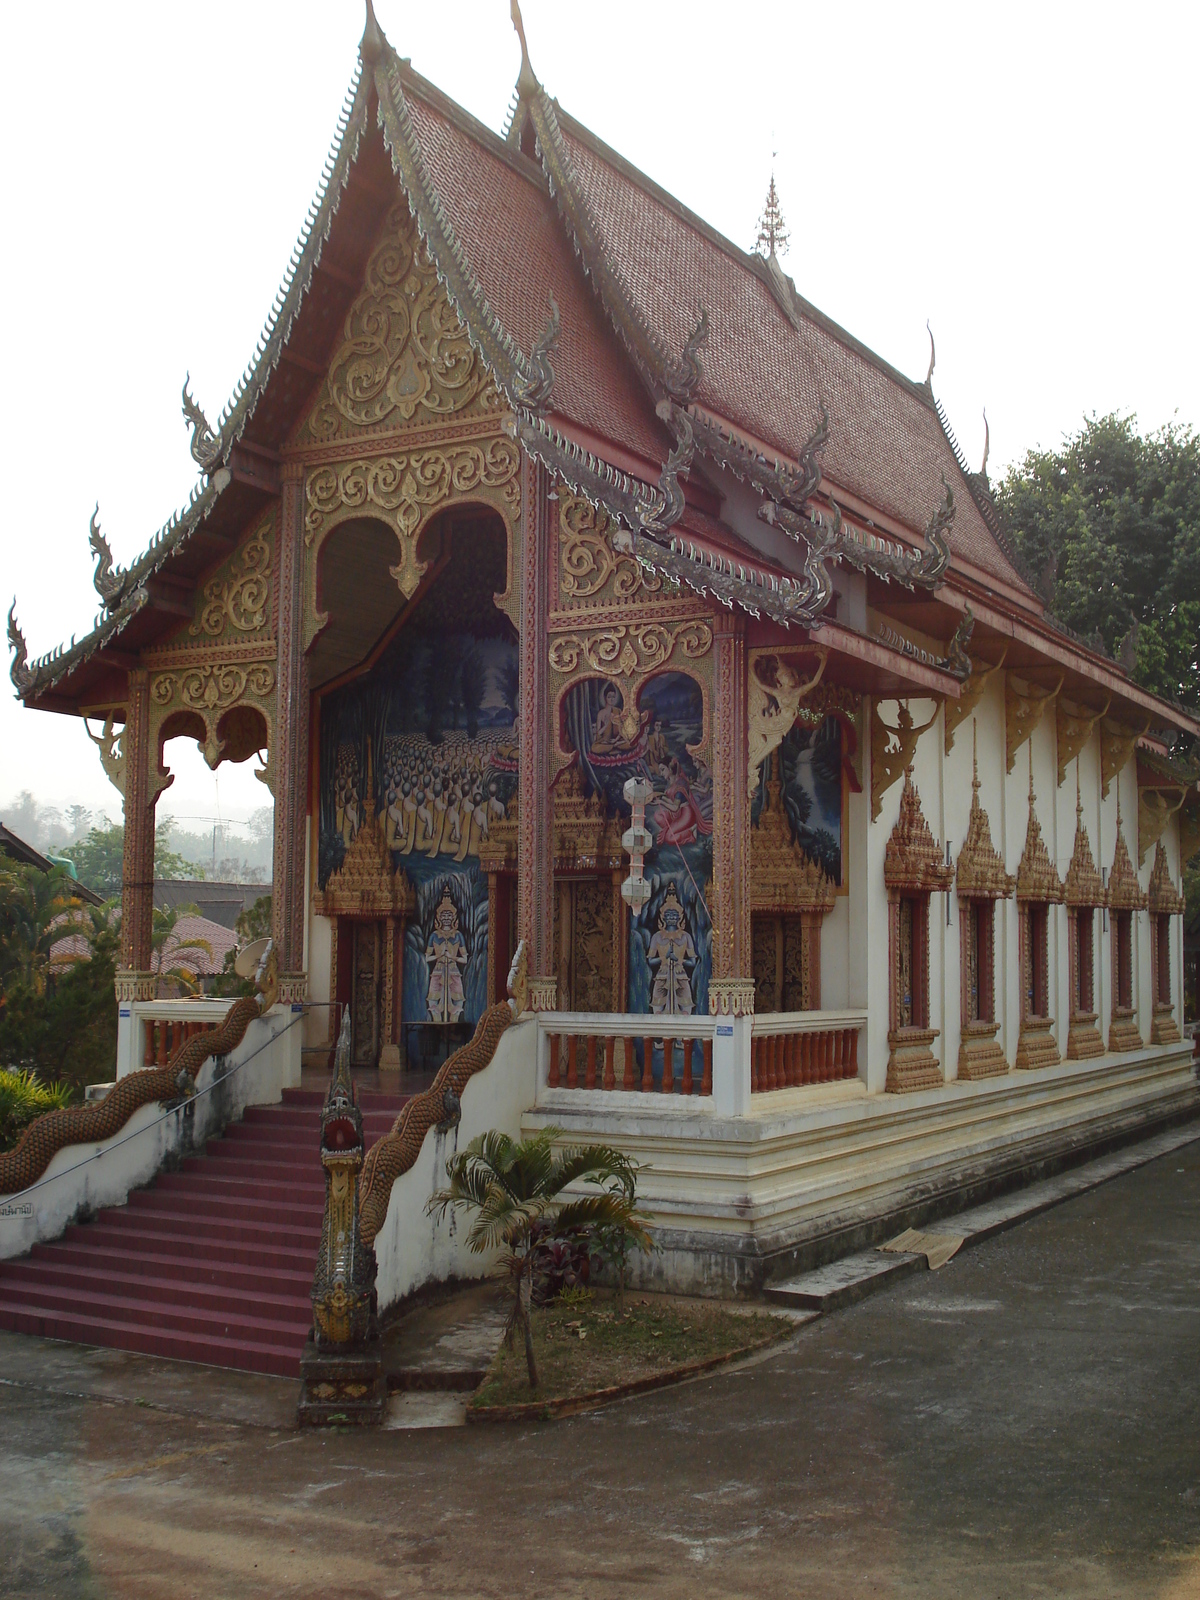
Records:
x=536, y=485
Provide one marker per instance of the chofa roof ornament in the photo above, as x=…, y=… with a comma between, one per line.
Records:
x=19, y=671
x=108, y=581
x=206, y=445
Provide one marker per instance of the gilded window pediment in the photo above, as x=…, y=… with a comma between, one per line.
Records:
x=913, y=859
x=1084, y=886
x=1164, y=898
x=1124, y=891
x=365, y=885
x=1037, y=876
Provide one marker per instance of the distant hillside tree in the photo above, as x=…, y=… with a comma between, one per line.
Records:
x=1110, y=524
x=98, y=858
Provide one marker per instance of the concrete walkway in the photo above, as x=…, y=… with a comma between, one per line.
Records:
x=1023, y=1422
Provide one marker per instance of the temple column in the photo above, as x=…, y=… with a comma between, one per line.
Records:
x=731, y=988
x=535, y=863
x=291, y=739
x=137, y=869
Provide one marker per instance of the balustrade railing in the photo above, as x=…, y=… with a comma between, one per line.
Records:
x=164, y=1035
x=635, y=1054
x=791, y=1049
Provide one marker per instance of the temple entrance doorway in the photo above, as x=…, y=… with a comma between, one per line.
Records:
x=366, y=992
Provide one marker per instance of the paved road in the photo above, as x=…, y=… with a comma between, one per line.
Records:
x=1024, y=1422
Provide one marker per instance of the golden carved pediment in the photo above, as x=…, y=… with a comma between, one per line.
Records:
x=980, y=869
x=1164, y=898
x=1037, y=876
x=913, y=859
x=585, y=837
x=404, y=357
x=366, y=885
x=236, y=601
x=782, y=877
x=1124, y=891
x=1084, y=885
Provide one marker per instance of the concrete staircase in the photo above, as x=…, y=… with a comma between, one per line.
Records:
x=212, y=1263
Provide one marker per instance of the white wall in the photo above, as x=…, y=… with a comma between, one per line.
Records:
x=412, y=1248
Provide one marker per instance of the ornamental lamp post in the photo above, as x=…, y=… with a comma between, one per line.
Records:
x=636, y=841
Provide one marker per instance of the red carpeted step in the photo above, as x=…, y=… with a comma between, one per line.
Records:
x=212, y=1262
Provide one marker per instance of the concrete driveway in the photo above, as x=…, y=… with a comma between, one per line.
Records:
x=1024, y=1422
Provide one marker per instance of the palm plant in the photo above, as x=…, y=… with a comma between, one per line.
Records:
x=33, y=908
x=166, y=943
x=515, y=1188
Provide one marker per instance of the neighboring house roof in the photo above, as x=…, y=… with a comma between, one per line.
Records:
x=219, y=902
x=16, y=849
x=201, y=961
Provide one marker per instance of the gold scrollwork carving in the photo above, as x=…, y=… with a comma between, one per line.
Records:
x=241, y=598
x=630, y=649
x=588, y=561
x=403, y=349
x=407, y=487
x=212, y=687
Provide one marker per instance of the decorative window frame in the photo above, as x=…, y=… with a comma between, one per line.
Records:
x=1164, y=902
x=1085, y=894
x=981, y=880
x=913, y=870
x=1038, y=888
x=1125, y=899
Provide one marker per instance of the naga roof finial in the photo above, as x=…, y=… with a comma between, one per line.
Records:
x=528, y=79
x=932, y=356
x=373, y=43
x=206, y=447
x=107, y=580
x=987, y=445
x=19, y=672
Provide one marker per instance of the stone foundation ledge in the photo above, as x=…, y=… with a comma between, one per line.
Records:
x=733, y=1200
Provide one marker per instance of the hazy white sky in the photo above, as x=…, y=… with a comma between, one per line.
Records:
x=1022, y=175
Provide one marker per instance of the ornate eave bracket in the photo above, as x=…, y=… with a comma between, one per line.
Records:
x=110, y=743
x=1073, y=725
x=957, y=711
x=1117, y=744
x=1023, y=710
x=1156, y=807
x=888, y=763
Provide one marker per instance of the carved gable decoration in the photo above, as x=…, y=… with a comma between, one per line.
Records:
x=595, y=561
x=1164, y=898
x=236, y=601
x=782, y=878
x=913, y=860
x=1037, y=877
x=405, y=359
x=1084, y=886
x=365, y=884
x=1124, y=892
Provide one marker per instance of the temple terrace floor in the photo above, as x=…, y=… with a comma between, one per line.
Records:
x=1025, y=1421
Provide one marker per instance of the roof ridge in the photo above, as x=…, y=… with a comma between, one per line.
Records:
x=750, y=260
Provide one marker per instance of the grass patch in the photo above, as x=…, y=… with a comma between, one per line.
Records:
x=581, y=1346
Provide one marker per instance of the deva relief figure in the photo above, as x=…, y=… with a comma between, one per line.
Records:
x=446, y=954
x=670, y=956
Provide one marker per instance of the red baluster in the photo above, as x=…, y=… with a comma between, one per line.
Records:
x=627, y=1081
x=647, y=1066
x=668, y=1077
x=552, y=1080
x=706, y=1080
x=686, y=1083
x=589, y=1076
x=852, y=1071
x=610, y=1057
x=572, y=1062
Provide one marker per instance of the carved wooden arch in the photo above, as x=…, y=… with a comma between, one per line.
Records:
x=233, y=729
x=405, y=490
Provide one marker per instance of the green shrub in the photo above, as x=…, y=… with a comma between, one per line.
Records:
x=22, y=1099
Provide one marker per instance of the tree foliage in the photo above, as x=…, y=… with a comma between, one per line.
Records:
x=98, y=858
x=1110, y=524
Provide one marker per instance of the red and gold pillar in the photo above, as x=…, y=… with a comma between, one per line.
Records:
x=535, y=909
x=291, y=738
x=731, y=988
x=137, y=870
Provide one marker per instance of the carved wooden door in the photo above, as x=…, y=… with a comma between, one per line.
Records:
x=368, y=943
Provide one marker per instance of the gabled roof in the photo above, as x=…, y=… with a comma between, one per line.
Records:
x=630, y=342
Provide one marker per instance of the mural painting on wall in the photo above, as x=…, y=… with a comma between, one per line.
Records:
x=432, y=733
x=812, y=758
x=659, y=738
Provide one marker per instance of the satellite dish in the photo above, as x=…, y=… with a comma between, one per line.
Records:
x=246, y=961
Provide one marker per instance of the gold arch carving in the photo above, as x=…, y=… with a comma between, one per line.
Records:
x=404, y=489
x=591, y=569
x=209, y=690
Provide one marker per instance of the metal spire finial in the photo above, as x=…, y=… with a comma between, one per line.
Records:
x=987, y=444
x=975, y=757
x=528, y=77
x=373, y=43
x=932, y=356
x=772, y=230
